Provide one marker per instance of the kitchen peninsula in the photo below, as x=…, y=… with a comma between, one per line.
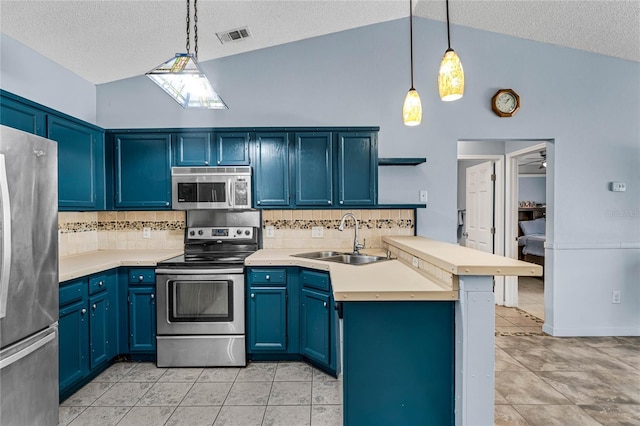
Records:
x=418, y=330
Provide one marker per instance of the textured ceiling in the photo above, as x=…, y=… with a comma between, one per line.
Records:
x=106, y=40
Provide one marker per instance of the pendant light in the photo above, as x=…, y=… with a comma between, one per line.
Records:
x=181, y=77
x=412, y=108
x=451, y=75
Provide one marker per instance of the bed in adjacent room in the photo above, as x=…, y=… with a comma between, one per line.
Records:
x=532, y=239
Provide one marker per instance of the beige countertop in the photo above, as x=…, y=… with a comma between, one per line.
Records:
x=79, y=265
x=385, y=280
x=461, y=260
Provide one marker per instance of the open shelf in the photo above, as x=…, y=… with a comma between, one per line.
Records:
x=401, y=161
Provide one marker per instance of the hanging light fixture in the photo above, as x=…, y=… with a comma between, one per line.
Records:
x=451, y=75
x=412, y=108
x=182, y=78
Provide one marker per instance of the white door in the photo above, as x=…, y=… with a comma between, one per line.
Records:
x=479, y=198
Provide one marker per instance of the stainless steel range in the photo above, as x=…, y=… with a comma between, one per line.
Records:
x=201, y=297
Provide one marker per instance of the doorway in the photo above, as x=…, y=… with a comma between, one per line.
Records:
x=506, y=155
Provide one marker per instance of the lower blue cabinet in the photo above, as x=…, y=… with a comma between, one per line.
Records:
x=315, y=325
x=141, y=297
x=267, y=319
x=290, y=315
x=87, y=328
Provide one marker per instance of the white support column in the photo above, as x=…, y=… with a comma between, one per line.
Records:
x=474, y=347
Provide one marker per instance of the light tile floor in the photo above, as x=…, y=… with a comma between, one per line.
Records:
x=540, y=381
x=531, y=295
x=269, y=393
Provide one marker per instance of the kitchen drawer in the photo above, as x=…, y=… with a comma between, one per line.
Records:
x=97, y=283
x=142, y=276
x=313, y=279
x=267, y=276
x=72, y=292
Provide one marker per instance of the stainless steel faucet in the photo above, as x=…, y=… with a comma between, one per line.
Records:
x=356, y=245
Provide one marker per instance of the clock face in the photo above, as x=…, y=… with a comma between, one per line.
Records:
x=505, y=102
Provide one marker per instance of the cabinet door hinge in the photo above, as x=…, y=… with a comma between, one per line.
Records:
x=493, y=230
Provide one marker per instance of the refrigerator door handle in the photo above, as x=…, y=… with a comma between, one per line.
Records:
x=5, y=272
x=40, y=339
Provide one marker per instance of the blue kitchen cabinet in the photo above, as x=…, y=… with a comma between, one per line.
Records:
x=314, y=169
x=73, y=344
x=271, y=170
x=232, y=148
x=267, y=319
x=193, y=149
x=357, y=168
x=418, y=339
x=142, y=310
x=81, y=164
x=315, y=325
x=87, y=328
x=211, y=149
x=21, y=116
x=142, y=171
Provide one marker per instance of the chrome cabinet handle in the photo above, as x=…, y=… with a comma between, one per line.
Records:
x=141, y=277
x=206, y=163
x=100, y=284
x=325, y=304
x=166, y=204
x=253, y=295
x=267, y=277
x=153, y=296
x=341, y=202
x=95, y=306
x=83, y=311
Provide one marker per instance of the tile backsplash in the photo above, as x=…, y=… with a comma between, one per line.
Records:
x=81, y=232
x=293, y=228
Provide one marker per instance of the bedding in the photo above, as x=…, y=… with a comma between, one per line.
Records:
x=532, y=242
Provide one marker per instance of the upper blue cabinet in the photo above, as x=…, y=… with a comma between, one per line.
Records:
x=211, y=149
x=314, y=168
x=142, y=171
x=81, y=150
x=23, y=117
x=271, y=170
x=357, y=168
x=81, y=174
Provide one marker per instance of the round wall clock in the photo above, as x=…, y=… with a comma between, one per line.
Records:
x=505, y=102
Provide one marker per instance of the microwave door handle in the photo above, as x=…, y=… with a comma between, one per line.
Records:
x=229, y=193
x=6, y=238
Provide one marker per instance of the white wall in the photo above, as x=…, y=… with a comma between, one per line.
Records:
x=532, y=188
x=27, y=73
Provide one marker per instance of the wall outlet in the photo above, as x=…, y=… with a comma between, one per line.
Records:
x=146, y=232
x=423, y=196
x=269, y=231
x=415, y=262
x=316, y=232
x=618, y=186
x=616, y=297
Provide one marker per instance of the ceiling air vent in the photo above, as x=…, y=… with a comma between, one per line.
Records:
x=234, y=35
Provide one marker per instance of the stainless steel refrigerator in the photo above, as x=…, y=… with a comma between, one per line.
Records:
x=28, y=279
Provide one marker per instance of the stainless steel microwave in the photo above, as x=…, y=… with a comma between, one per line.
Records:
x=194, y=188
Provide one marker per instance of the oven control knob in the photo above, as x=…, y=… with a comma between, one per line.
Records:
x=192, y=233
x=239, y=231
x=201, y=232
x=247, y=232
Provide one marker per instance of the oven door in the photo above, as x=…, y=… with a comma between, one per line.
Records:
x=200, y=302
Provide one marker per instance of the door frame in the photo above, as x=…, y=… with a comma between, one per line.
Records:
x=498, y=214
x=511, y=213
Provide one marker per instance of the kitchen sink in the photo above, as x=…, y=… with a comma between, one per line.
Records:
x=339, y=257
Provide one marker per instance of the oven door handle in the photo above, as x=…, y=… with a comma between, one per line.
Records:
x=190, y=271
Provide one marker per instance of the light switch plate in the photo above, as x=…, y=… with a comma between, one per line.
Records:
x=316, y=232
x=423, y=196
x=618, y=186
x=146, y=232
x=269, y=231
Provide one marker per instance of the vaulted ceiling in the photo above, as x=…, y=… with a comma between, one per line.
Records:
x=107, y=40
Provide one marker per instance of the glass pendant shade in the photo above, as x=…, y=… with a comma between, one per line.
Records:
x=183, y=80
x=451, y=77
x=412, y=108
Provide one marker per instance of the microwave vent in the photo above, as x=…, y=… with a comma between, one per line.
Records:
x=185, y=171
